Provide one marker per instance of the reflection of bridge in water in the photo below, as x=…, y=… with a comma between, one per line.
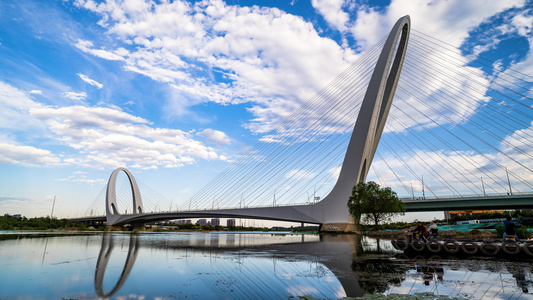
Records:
x=253, y=266
x=297, y=269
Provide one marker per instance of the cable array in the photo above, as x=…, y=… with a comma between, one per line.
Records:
x=459, y=121
x=459, y=125
x=295, y=162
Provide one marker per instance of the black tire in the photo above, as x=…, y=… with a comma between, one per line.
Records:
x=418, y=245
x=434, y=246
x=511, y=247
x=437, y=258
x=528, y=248
x=402, y=244
x=402, y=256
x=490, y=248
x=451, y=246
x=469, y=247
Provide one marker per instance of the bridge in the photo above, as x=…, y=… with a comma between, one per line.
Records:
x=445, y=87
x=486, y=202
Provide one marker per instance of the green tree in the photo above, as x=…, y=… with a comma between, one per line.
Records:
x=373, y=203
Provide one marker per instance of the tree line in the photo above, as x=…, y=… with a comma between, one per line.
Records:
x=8, y=222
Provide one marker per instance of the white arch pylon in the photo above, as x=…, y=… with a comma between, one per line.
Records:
x=370, y=123
x=112, y=210
x=332, y=211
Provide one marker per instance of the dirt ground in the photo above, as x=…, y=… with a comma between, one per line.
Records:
x=473, y=234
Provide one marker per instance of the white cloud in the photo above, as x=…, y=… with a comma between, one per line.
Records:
x=448, y=21
x=274, y=60
x=90, y=81
x=36, y=92
x=14, y=107
x=266, y=56
x=26, y=155
x=75, y=96
x=14, y=98
x=335, y=172
x=332, y=12
x=460, y=170
x=86, y=46
x=214, y=136
x=521, y=24
x=109, y=137
x=85, y=180
x=100, y=136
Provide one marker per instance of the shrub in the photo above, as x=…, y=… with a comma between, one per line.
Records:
x=523, y=232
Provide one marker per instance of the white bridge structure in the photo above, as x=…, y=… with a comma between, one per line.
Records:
x=484, y=164
x=331, y=211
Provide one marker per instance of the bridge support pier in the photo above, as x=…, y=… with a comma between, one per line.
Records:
x=136, y=226
x=346, y=227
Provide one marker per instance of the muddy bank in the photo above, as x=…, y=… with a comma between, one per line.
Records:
x=473, y=234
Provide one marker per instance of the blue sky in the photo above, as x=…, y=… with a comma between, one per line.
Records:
x=176, y=90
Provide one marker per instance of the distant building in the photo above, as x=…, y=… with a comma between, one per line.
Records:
x=215, y=222
x=201, y=222
x=183, y=222
x=453, y=214
x=231, y=223
x=18, y=216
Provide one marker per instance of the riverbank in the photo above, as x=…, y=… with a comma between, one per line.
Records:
x=455, y=234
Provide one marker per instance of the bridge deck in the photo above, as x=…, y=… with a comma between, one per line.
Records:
x=517, y=201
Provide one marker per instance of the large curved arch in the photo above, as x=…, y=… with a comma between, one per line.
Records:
x=112, y=210
x=369, y=125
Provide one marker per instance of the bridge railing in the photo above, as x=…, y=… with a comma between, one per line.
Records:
x=470, y=196
x=211, y=209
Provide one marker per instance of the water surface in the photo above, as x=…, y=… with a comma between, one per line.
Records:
x=242, y=266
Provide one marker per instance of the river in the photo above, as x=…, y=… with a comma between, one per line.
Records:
x=246, y=265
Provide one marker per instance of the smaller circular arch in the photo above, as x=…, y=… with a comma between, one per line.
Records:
x=111, y=194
